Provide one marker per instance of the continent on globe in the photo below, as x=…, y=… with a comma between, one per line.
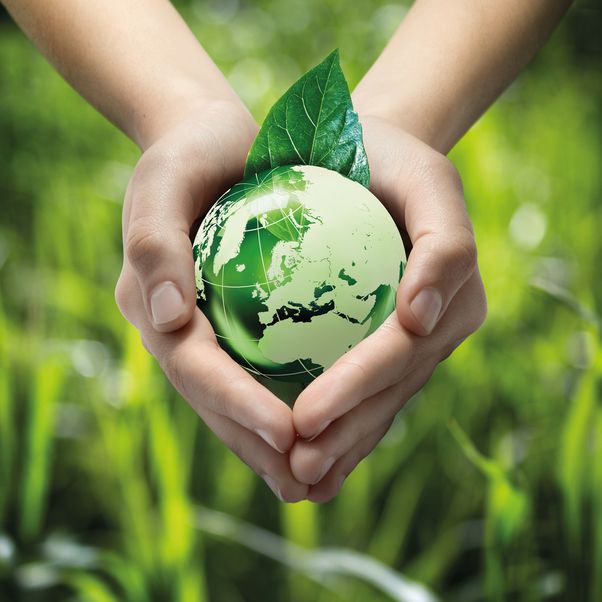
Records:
x=294, y=267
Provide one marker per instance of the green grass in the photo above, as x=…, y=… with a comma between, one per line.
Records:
x=487, y=487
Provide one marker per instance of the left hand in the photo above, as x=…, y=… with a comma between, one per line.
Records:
x=343, y=414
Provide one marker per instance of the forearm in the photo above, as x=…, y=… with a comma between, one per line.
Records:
x=448, y=61
x=134, y=60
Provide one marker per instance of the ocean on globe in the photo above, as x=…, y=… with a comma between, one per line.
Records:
x=294, y=267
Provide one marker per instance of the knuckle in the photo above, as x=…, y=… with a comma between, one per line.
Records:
x=467, y=248
x=464, y=250
x=455, y=249
x=143, y=243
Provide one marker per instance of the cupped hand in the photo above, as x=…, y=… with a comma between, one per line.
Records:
x=343, y=414
x=176, y=181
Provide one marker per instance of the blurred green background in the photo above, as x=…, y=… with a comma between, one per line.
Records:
x=489, y=484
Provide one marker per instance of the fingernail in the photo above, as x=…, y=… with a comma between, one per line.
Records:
x=268, y=439
x=272, y=485
x=166, y=303
x=426, y=307
x=320, y=430
x=325, y=468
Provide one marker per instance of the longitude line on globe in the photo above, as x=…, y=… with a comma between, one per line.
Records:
x=230, y=327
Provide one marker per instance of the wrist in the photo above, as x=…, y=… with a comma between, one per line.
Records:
x=153, y=121
x=401, y=112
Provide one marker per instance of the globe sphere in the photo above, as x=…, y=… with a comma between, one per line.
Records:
x=294, y=267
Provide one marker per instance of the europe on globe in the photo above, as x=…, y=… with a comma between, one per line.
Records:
x=294, y=267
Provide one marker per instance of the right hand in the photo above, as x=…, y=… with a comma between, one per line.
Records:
x=343, y=414
x=175, y=181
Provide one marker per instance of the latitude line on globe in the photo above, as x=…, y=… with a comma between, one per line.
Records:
x=253, y=368
x=310, y=370
x=272, y=224
x=283, y=374
x=234, y=285
x=306, y=369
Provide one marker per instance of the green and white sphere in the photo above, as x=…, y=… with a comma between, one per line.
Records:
x=294, y=267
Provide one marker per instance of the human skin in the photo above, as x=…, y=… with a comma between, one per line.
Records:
x=145, y=71
x=140, y=65
x=446, y=63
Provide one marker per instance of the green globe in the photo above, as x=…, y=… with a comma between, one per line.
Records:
x=294, y=267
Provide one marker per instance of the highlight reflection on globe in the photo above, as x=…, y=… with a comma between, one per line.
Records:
x=294, y=267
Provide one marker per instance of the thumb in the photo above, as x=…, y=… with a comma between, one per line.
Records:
x=439, y=264
x=157, y=219
x=161, y=256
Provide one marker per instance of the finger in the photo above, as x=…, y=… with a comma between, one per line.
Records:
x=374, y=364
x=423, y=192
x=260, y=457
x=331, y=484
x=170, y=188
x=205, y=375
x=158, y=213
x=444, y=253
x=383, y=359
x=441, y=261
x=311, y=461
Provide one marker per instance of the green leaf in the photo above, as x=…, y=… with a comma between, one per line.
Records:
x=313, y=123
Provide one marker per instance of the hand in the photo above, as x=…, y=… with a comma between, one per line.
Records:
x=343, y=414
x=176, y=180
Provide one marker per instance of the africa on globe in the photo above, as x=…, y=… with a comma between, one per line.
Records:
x=294, y=267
